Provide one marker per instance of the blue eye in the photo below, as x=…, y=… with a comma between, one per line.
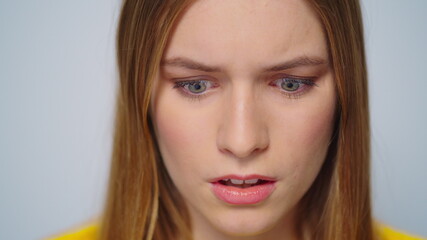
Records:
x=197, y=87
x=194, y=89
x=290, y=85
x=293, y=87
x=194, y=86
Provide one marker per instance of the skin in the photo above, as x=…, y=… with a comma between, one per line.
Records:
x=244, y=122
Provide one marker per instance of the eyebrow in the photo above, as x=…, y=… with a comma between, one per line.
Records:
x=189, y=64
x=293, y=63
x=297, y=62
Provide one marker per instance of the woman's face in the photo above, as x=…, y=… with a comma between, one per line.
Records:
x=245, y=92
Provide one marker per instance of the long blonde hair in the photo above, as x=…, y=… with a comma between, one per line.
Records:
x=142, y=202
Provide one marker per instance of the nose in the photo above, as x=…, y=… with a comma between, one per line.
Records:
x=242, y=132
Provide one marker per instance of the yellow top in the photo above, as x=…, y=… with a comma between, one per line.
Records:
x=90, y=233
x=87, y=233
x=387, y=233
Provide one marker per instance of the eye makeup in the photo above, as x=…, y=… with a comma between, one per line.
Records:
x=292, y=87
x=194, y=89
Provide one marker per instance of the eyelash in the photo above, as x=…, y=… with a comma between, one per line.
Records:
x=181, y=85
x=305, y=82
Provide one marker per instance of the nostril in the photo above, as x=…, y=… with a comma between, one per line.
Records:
x=243, y=152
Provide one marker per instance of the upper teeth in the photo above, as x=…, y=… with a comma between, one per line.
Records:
x=251, y=181
x=238, y=181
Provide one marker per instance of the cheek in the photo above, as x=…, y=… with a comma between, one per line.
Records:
x=314, y=130
x=310, y=144
x=306, y=127
x=182, y=137
x=302, y=137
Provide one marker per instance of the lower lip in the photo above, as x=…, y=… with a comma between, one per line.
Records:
x=243, y=196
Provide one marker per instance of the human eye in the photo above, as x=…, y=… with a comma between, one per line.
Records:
x=194, y=89
x=293, y=87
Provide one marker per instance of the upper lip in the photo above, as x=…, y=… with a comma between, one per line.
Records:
x=242, y=177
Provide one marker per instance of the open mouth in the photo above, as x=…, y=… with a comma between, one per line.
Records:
x=243, y=183
x=242, y=190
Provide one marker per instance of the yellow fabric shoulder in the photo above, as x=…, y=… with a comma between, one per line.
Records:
x=91, y=233
x=387, y=233
x=86, y=233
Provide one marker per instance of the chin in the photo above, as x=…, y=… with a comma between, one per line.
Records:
x=244, y=223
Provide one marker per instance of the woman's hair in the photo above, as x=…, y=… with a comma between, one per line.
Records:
x=142, y=201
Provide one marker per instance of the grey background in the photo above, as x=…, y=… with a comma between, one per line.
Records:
x=57, y=88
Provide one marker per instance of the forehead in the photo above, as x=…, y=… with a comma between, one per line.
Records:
x=238, y=34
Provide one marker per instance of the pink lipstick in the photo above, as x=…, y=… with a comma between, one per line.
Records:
x=239, y=190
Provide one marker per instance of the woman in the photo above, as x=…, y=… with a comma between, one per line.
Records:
x=240, y=120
